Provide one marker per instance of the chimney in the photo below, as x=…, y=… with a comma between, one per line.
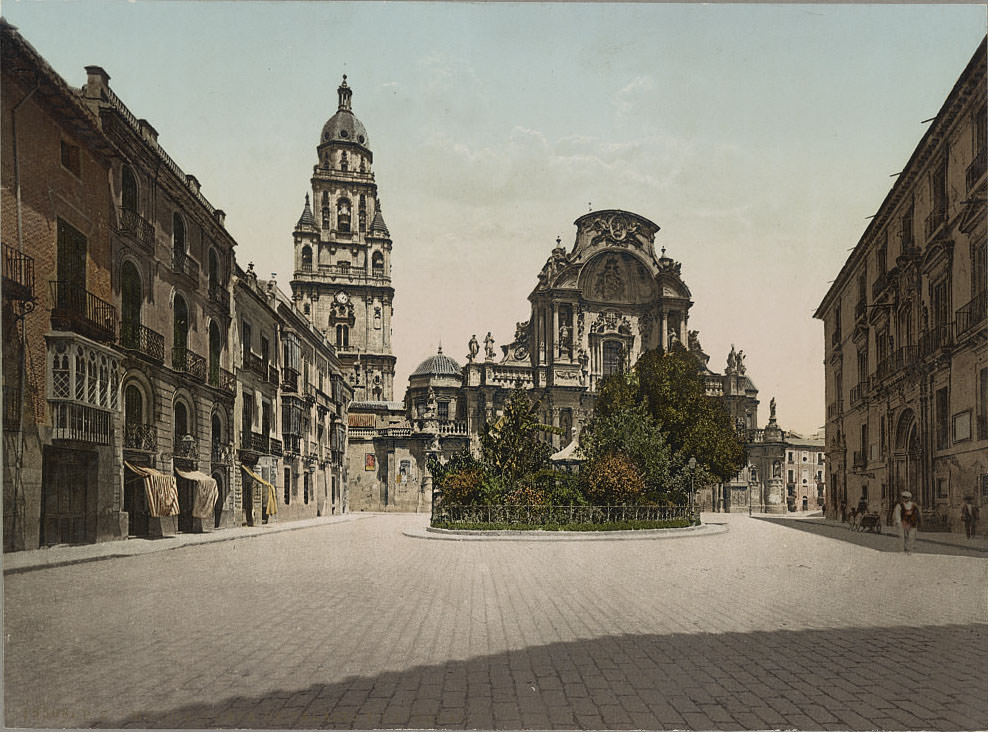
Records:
x=96, y=81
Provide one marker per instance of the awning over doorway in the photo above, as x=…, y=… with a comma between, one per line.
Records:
x=205, y=494
x=272, y=496
x=161, y=490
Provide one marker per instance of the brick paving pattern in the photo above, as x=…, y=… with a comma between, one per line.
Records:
x=354, y=625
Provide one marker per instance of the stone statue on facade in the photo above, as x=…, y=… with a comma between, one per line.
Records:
x=673, y=338
x=694, y=340
x=565, y=341
x=474, y=347
x=732, y=360
x=489, y=347
x=739, y=363
x=430, y=405
x=771, y=409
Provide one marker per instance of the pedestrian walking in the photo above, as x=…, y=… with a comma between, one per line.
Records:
x=907, y=519
x=970, y=515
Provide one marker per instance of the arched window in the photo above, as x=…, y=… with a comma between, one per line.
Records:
x=342, y=336
x=178, y=235
x=377, y=264
x=131, y=299
x=133, y=406
x=128, y=190
x=326, y=223
x=306, y=258
x=215, y=352
x=343, y=215
x=344, y=161
x=613, y=359
x=362, y=216
x=216, y=432
x=181, y=423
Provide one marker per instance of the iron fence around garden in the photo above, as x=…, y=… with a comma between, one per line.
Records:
x=543, y=515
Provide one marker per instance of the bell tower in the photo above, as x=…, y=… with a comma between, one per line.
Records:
x=343, y=255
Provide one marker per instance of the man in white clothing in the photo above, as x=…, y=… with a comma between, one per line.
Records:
x=906, y=517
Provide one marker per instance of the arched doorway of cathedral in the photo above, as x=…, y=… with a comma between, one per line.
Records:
x=906, y=460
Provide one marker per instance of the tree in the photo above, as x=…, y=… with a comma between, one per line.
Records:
x=512, y=446
x=613, y=480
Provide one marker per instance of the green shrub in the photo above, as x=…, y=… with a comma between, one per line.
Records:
x=608, y=526
x=613, y=480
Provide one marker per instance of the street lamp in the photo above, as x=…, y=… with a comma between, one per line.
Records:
x=692, y=465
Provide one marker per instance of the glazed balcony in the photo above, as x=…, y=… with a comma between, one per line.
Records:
x=80, y=423
x=976, y=170
x=76, y=309
x=972, y=314
x=189, y=362
x=18, y=275
x=131, y=224
x=143, y=341
x=183, y=264
x=289, y=379
x=936, y=339
x=141, y=437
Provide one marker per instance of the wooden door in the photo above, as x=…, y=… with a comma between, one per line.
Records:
x=68, y=478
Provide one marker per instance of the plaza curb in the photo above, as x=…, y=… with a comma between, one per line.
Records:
x=65, y=556
x=539, y=535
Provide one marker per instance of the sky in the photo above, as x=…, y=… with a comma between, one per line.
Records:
x=758, y=137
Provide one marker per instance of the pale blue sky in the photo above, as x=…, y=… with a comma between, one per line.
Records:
x=759, y=137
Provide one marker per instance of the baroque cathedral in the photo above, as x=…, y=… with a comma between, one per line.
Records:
x=595, y=308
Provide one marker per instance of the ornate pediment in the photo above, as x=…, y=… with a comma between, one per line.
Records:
x=617, y=229
x=616, y=277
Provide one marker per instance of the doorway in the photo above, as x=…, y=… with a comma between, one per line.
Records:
x=68, y=482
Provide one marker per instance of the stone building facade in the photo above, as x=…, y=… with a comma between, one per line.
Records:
x=342, y=251
x=904, y=322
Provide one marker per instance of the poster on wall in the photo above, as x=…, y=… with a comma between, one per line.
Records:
x=370, y=461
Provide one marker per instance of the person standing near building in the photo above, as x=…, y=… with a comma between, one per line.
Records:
x=970, y=516
x=906, y=517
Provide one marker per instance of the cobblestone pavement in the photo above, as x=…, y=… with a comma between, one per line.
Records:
x=353, y=625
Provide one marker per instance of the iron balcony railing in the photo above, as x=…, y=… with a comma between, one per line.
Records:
x=275, y=447
x=219, y=295
x=141, y=339
x=835, y=338
x=220, y=378
x=182, y=263
x=274, y=375
x=976, y=170
x=292, y=444
x=936, y=338
x=896, y=362
x=859, y=392
x=76, y=309
x=81, y=423
x=835, y=409
x=189, y=362
x=137, y=228
x=140, y=437
x=860, y=459
x=220, y=453
x=973, y=313
x=542, y=515
x=255, y=364
x=255, y=442
x=18, y=275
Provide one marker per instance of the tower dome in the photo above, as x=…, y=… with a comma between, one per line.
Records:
x=438, y=365
x=344, y=125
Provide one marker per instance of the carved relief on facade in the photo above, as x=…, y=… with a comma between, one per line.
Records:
x=615, y=229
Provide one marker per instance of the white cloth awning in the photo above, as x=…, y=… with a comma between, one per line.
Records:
x=161, y=490
x=569, y=454
x=205, y=495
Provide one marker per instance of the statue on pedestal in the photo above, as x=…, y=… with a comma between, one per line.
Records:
x=771, y=409
x=474, y=348
x=489, y=347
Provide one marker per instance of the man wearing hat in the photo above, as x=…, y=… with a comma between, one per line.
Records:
x=906, y=517
x=970, y=515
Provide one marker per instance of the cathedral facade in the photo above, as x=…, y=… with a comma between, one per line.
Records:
x=342, y=251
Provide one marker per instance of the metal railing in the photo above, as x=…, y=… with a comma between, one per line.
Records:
x=182, y=263
x=275, y=447
x=936, y=338
x=542, y=515
x=860, y=459
x=220, y=378
x=140, y=437
x=835, y=409
x=292, y=444
x=834, y=338
x=274, y=375
x=859, y=392
x=973, y=312
x=896, y=362
x=141, y=339
x=255, y=442
x=189, y=362
x=255, y=364
x=220, y=453
x=76, y=309
x=18, y=274
x=81, y=423
x=219, y=295
x=137, y=228
x=976, y=170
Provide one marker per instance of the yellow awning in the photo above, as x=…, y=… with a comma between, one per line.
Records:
x=272, y=496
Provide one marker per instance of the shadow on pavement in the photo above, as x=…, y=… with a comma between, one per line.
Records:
x=887, y=541
x=924, y=677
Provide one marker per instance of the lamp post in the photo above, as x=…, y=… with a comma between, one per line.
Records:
x=692, y=465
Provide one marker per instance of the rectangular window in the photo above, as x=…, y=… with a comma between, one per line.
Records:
x=907, y=228
x=443, y=411
x=70, y=158
x=265, y=348
x=943, y=489
x=940, y=303
x=790, y=456
x=792, y=477
x=962, y=426
x=943, y=437
x=881, y=259
x=245, y=338
x=248, y=415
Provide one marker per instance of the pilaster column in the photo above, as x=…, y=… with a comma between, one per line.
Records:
x=555, y=331
x=664, y=338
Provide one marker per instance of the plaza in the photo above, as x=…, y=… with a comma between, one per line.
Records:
x=349, y=623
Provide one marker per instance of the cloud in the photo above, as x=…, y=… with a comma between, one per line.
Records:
x=628, y=98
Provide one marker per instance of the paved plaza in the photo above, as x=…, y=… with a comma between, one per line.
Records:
x=353, y=624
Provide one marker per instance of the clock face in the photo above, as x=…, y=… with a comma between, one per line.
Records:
x=341, y=298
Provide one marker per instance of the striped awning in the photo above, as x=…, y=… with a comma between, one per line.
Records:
x=161, y=490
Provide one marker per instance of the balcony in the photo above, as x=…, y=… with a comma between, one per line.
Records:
x=255, y=364
x=254, y=442
x=220, y=454
x=81, y=423
x=976, y=170
x=275, y=447
x=76, y=309
x=274, y=375
x=452, y=428
x=897, y=362
x=11, y=408
x=188, y=362
x=182, y=263
x=220, y=378
x=910, y=252
x=289, y=379
x=18, y=275
x=860, y=392
x=140, y=437
x=136, y=227
x=973, y=313
x=143, y=341
x=860, y=459
x=293, y=444
x=936, y=338
x=309, y=394
x=219, y=296
x=835, y=409
x=936, y=219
